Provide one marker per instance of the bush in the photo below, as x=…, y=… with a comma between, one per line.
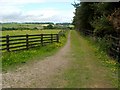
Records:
x=49, y=27
x=102, y=26
x=103, y=43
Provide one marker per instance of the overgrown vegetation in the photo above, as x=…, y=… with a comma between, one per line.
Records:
x=100, y=51
x=97, y=17
x=101, y=18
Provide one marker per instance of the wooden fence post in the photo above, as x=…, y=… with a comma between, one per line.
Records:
x=51, y=38
x=110, y=40
x=57, y=37
x=27, y=43
x=7, y=42
x=42, y=39
x=119, y=51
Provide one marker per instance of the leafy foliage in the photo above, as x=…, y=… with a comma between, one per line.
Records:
x=50, y=26
x=94, y=16
x=101, y=26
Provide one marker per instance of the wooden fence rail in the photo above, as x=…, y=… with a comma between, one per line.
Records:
x=22, y=42
x=89, y=32
x=114, y=49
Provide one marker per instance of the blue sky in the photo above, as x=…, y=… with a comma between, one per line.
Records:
x=36, y=10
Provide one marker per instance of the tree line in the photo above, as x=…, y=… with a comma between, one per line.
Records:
x=24, y=26
x=102, y=18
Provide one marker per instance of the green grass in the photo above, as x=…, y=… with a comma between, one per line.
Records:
x=22, y=26
x=100, y=52
x=77, y=75
x=89, y=67
x=14, y=59
x=24, y=32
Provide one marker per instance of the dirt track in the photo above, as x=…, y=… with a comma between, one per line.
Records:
x=76, y=65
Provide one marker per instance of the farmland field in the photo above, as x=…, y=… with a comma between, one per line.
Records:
x=23, y=32
x=14, y=58
x=23, y=29
x=22, y=26
x=21, y=42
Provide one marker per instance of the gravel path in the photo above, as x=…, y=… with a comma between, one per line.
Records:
x=38, y=73
x=0, y=80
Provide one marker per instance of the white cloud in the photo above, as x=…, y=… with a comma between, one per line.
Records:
x=44, y=13
x=11, y=10
x=17, y=2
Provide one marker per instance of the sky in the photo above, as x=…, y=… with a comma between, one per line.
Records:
x=56, y=11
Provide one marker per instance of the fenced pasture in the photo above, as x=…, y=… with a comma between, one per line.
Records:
x=17, y=41
x=22, y=42
x=24, y=32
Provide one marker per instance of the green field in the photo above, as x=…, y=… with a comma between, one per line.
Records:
x=23, y=32
x=22, y=29
x=13, y=59
x=22, y=26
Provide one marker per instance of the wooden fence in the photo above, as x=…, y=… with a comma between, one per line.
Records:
x=89, y=32
x=22, y=42
x=114, y=49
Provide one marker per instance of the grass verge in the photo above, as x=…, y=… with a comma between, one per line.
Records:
x=12, y=60
x=29, y=32
x=90, y=68
x=100, y=51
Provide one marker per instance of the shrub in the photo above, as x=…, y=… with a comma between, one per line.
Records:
x=48, y=27
x=102, y=26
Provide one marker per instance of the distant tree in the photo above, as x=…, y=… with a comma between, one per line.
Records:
x=50, y=26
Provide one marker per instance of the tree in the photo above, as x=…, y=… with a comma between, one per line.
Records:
x=83, y=16
x=49, y=27
x=94, y=16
